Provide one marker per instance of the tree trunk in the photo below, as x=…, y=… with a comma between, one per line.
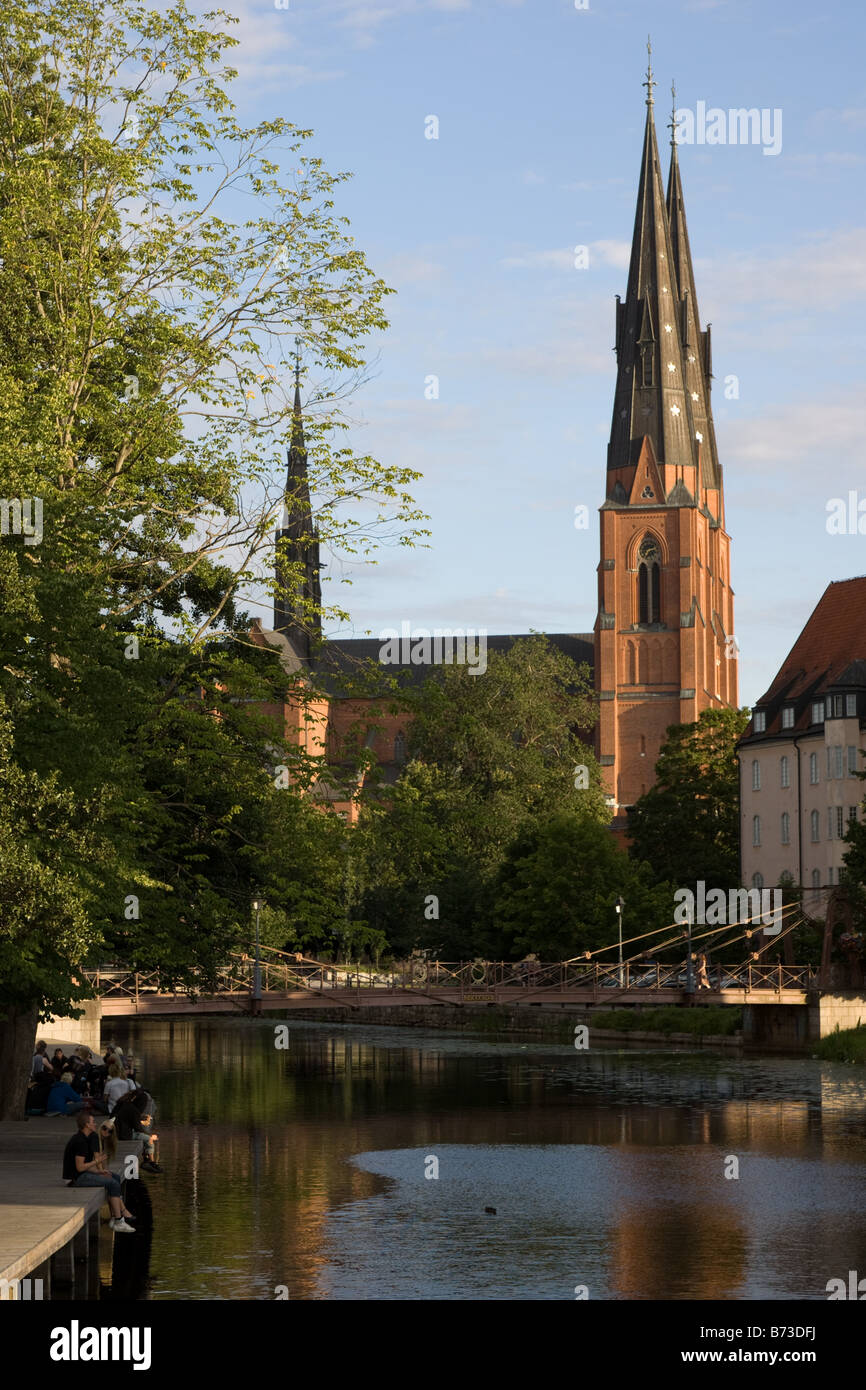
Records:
x=17, y=1038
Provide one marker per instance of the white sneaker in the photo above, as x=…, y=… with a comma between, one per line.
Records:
x=118, y=1224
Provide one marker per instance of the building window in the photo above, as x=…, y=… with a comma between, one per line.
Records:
x=850, y=705
x=399, y=748
x=816, y=878
x=852, y=760
x=840, y=822
x=829, y=763
x=788, y=717
x=756, y=830
x=646, y=365
x=649, y=581
x=757, y=880
x=817, y=711
x=756, y=775
x=834, y=706
x=839, y=760
x=760, y=721
x=816, y=827
x=786, y=828
x=813, y=768
x=830, y=876
x=786, y=774
x=852, y=814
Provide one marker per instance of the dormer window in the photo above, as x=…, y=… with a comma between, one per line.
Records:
x=817, y=711
x=850, y=705
x=788, y=717
x=760, y=721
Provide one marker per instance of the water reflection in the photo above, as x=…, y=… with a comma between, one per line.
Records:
x=305, y=1168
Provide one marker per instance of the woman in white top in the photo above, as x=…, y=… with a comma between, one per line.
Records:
x=116, y=1086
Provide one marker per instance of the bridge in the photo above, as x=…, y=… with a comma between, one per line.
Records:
x=294, y=981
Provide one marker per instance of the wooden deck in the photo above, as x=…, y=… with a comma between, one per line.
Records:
x=39, y=1214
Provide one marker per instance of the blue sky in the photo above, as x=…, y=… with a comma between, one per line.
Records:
x=540, y=110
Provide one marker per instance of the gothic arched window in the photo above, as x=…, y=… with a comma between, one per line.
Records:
x=648, y=581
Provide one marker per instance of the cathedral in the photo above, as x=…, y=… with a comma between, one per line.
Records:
x=663, y=647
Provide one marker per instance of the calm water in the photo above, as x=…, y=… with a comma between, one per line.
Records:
x=306, y=1168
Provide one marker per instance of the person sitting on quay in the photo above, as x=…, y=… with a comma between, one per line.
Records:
x=94, y=1073
x=84, y=1168
x=62, y=1099
x=104, y=1140
x=40, y=1063
x=117, y=1085
x=133, y=1122
x=59, y=1062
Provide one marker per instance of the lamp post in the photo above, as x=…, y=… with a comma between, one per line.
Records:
x=619, y=905
x=690, y=979
x=258, y=904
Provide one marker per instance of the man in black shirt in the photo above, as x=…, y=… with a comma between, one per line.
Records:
x=83, y=1168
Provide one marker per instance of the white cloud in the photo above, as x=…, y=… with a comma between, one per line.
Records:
x=820, y=274
x=614, y=253
x=826, y=435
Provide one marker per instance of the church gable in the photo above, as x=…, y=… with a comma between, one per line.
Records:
x=646, y=488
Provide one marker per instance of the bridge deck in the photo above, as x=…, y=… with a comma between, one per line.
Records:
x=114, y=1006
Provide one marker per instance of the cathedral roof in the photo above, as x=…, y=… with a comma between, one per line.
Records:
x=662, y=392
x=697, y=361
x=342, y=658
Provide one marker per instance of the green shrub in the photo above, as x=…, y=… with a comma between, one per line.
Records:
x=847, y=1045
x=672, y=1019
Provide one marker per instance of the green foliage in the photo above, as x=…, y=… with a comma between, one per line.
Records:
x=853, y=876
x=490, y=755
x=556, y=891
x=687, y=825
x=146, y=343
x=713, y=1020
x=845, y=1045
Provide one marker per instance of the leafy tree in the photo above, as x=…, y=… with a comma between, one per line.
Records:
x=489, y=753
x=146, y=342
x=555, y=894
x=687, y=825
x=854, y=871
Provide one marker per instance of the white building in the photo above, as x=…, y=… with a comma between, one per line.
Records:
x=802, y=750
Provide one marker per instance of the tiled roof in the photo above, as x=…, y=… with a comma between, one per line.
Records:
x=830, y=652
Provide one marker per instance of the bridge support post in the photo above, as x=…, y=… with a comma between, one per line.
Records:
x=782, y=1027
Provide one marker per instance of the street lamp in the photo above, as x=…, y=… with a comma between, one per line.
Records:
x=258, y=904
x=690, y=979
x=619, y=905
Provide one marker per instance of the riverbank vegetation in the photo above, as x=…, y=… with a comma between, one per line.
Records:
x=843, y=1045
x=721, y=1021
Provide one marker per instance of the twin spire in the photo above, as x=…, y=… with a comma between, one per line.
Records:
x=662, y=396
x=299, y=594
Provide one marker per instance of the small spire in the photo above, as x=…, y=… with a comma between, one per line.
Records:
x=648, y=81
x=672, y=124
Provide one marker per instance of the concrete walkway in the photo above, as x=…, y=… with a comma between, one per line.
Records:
x=39, y=1214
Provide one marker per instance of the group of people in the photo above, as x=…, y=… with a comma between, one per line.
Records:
x=109, y=1104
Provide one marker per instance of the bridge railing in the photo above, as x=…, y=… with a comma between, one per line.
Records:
x=282, y=973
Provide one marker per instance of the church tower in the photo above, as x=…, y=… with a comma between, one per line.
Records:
x=298, y=593
x=664, y=644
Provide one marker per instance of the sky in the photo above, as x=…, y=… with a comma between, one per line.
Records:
x=540, y=112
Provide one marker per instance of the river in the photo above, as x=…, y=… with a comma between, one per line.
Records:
x=357, y=1163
